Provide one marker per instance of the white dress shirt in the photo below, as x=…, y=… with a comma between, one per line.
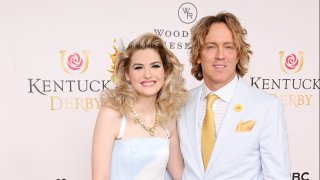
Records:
x=219, y=106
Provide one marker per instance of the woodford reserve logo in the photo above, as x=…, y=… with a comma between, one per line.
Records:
x=187, y=13
x=293, y=89
x=70, y=93
x=178, y=38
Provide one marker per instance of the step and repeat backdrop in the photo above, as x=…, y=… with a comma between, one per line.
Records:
x=55, y=61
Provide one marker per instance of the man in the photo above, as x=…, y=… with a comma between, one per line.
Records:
x=229, y=130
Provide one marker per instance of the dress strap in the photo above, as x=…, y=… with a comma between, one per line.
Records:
x=122, y=127
x=168, y=133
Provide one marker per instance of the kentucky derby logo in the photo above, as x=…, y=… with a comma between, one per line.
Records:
x=74, y=63
x=187, y=13
x=291, y=63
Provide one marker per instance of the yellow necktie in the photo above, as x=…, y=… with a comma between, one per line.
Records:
x=208, y=137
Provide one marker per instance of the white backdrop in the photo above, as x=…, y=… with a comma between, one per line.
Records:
x=8, y=120
x=48, y=110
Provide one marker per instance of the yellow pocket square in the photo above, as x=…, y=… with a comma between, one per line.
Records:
x=245, y=126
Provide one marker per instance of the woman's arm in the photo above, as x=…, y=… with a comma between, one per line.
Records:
x=106, y=130
x=175, y=165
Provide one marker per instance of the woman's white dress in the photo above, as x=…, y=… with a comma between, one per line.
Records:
x=143, y=158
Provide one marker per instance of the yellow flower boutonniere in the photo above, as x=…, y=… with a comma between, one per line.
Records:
x=238, y=107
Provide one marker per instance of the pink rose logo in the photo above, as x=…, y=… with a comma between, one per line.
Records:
x=291, y=61
x=75, y=61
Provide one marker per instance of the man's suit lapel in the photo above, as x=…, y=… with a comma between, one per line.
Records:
x=192, y=109
x=229, y=122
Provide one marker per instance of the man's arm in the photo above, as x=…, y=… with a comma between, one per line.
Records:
x=274, y=148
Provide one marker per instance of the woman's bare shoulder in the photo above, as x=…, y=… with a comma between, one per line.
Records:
x=109, y=115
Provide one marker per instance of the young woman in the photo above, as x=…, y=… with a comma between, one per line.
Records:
x=135, y=135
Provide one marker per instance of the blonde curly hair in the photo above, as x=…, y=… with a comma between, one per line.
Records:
x=199, y=32
x=172, y=96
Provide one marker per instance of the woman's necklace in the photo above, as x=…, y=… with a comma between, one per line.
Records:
x=150, y=130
